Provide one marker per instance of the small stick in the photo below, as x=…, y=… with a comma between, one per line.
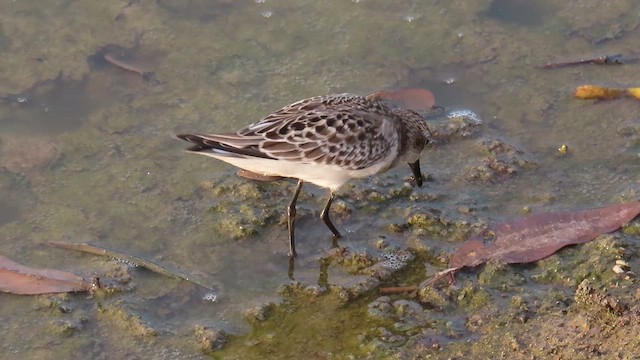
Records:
x=441, y=274
x=110, y=58
x=397, y=290
x=602, y=60
x=147, y=264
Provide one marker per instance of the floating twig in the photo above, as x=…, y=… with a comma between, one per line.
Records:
x=145, y=263
x=602, y=60
x=113, y=60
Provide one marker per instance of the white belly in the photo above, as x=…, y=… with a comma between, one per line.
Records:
x=327, y=176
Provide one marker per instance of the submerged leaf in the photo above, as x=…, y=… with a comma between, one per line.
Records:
x=131, y=259
x=413, y=98
x=19, y=279
x=537, y=236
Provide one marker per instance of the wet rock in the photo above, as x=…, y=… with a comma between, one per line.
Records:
x=456, y=123
x=316, y=290
x=407, y=310
x=116, y=279
x=297, y=289
x=472, y=297
x=402, y=192
x=381, y=244
x=340, y=209
x=342, y=293
x=257, y=313
x=618, y=269
x=396, y=259
x=632, y=228
x=500, y=276
x=502, y=162
x=362, y=287
x=518, y=309
x=388, y=263
x=491, y=170
x=123, y=319
x=236, y=211
x=586, y=295
x=376, y=265
x=428, y=341
x=425, y=196
x=57, y=302
x=623, y=264
x=499, y=147
x=440, y=225
x=65, y=327
x=390, y=339
x=375, y=196
x=431, y=297
x=210, y=339
x=380, y=308
x=352, y=261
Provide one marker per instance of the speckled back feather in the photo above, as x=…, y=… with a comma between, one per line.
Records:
x=344, y=130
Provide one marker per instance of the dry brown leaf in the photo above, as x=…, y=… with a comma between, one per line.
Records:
x=413, y=98
x=537, y=236
x=19, y=279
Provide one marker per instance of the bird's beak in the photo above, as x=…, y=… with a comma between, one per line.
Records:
x=417, y=174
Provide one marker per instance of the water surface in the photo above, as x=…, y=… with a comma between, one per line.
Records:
x=88, y=153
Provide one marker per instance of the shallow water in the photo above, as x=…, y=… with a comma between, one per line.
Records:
x=87, y=154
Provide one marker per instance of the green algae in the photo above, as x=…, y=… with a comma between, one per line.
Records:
x=502, y=277
x=592, y=261
x=125, y=321
x=292, y=330
x=441, y=226
x=472, y=297
x=632, y=228
x=432, y=297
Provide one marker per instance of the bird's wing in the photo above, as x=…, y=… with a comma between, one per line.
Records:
x=345, y=130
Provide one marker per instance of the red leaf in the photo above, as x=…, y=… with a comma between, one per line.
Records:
x=537, y=236
x=19, y=279
x=413, y=98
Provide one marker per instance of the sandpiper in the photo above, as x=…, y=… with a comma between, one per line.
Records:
x=325, y=140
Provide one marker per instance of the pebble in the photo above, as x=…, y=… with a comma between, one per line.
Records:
x=617, y=269
x=623, y=264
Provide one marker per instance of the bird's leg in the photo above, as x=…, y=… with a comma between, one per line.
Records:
x=291, y=268
x=291, y=217
x=324, y=215
x=417, y=174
